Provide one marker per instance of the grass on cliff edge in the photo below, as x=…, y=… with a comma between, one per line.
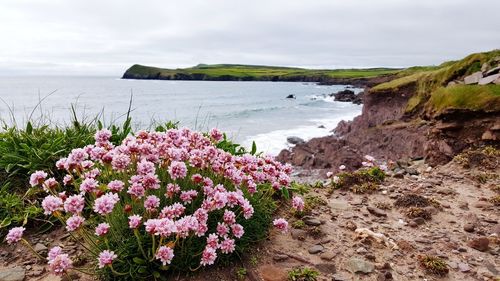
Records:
x=255, y=72
x=430, y=81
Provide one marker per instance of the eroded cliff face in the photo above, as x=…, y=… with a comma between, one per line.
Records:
x=386, y=131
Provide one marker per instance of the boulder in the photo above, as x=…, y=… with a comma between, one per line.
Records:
x=473, y=78
x=493, y=71
x=291, y=97
x=356, y=265
x=489, y=79
x=348, y=96
x=294, y=140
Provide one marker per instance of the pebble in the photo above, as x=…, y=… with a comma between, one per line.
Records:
x=376, y=211
x=312, y=222
x=452, y=265
x=40, y=248
x=463, y=267
x=469, y=227
x=327, y=256
x=298, y=234
x=341, y=277
x=356, y=265
x=480, y=244
x=315, y=249
x=361, y=250
x=280, y=257
x=328, y=268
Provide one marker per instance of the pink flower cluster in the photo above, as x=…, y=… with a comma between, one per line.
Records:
x=59, y=262
x=166, y=183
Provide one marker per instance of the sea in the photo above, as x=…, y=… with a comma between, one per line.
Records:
x=246, y=111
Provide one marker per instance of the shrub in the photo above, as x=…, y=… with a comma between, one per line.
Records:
x=361, y=181
x=303, y=274
x=434, y=265
x=161, y=202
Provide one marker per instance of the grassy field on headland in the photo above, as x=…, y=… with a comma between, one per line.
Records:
x=236, y=72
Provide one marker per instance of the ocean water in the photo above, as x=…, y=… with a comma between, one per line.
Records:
x=247, y=111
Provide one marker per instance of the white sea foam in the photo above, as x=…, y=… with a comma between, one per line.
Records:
x=275, y=141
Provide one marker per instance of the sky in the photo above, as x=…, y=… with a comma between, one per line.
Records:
x=105, y=37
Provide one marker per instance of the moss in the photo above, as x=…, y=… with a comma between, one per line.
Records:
x=434, y=265
x=361, y=181
x=383, y=205
x=495, y=200
x=411, y=200
x=299, y=224
x=303, y=274
x=485, y=157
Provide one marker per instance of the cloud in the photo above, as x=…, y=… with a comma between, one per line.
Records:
x=105, y=37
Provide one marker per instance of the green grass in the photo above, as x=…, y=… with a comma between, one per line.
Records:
x=251, y=72
x=472, y=97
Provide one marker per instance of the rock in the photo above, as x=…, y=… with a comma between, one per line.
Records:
x=272, y=273
x=348, y=96
x=463, y=267
x=488, y=135
x=361, y=250
x=327, y=256
x=312, y=221
x=291, y=97
x=356, y=265
x=488, y=79
x=40, y=248
x=469, y=227
x=12, y=274
x=463, y=205
x=491, y=267
x=298, y=234
x=351, y=225
x=294, y=140
x=328, y=268
x=485, y=67
x=341, y=277
x=280, y=257
x=497, y=82
x=321, y=127
x=452, y=265
x=411, y=171
x=399, y=174
x=339, y=205
x=419, y=220
x=315, y=249
x=473, y=78
x=480, y=244
x=493, y=71
x=376, y=211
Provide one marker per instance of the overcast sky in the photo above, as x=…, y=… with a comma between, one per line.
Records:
x=105, y=37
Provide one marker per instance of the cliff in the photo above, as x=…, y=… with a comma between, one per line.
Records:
x=431, y=113
x=235, y=72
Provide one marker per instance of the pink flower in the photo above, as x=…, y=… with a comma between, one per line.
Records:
x=208, y=257
x=222, y=229
x=216, y=135
x=172, y=189
x=134, y=221
x=105, y=204
x=281, y=224
x=151, y=203
x=237, y=230
x=102, y=229
x=145, y=167
x=298, y=203
x=188, y=196
x=165, y=254
x=49, y=183
x=369, y=158
x=229, y=217
x=120, y=162
x=54, y=252
x=116, y=185
x=106, y=257
x=213, y=241
x=89, y=185
x=68, y=179
x=137, y=190
x=102, y=136
x=37, y=178
x=51, y=204
x=342, y=167
x=74, y=204
x=177, y=170
x=329, y=174
x=227, y=246
x=74, y=222
x=60, y=264
x=15, y=234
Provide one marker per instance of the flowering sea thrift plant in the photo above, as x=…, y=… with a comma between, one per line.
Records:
x=160, y=201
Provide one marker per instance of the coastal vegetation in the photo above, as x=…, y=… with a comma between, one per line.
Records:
x=440, y=88
x=237, y=72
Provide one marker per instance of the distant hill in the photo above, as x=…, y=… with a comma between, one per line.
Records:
x=238, y=72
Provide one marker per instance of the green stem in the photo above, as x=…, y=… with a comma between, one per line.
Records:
x=31, y=249
x=136, y=233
